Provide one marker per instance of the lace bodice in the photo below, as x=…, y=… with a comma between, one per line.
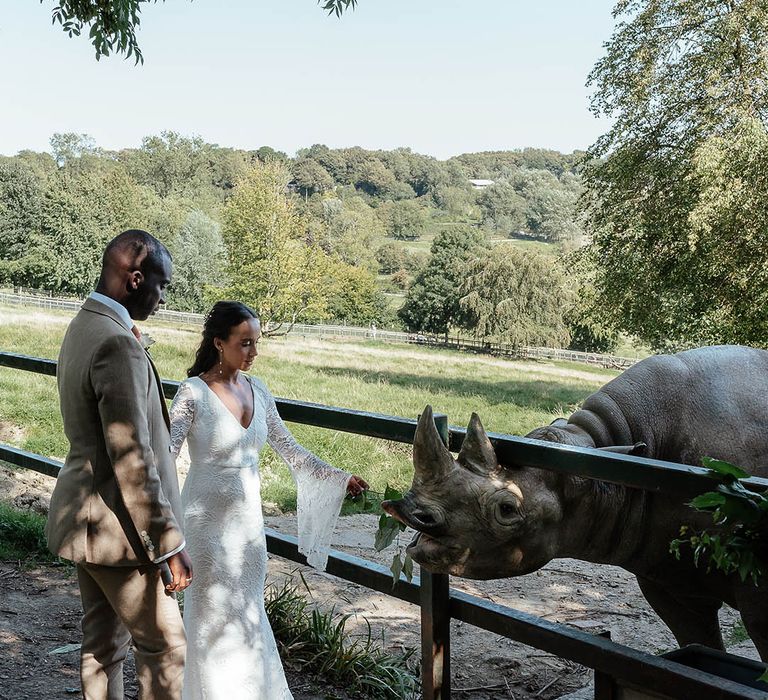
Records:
x=320, y=487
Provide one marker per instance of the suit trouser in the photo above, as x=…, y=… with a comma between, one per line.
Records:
x=120, y=604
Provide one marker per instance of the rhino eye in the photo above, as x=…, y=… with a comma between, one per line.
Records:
x=507, y=510
x=507, y=513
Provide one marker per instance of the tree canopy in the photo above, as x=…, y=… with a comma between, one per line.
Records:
x=676, y=189
x=515, y=297
x=323, y=236
x=432, y=303
x=112, y=24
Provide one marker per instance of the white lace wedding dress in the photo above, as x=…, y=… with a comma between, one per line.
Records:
x=231, y=651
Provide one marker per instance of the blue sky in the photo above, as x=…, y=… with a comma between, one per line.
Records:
x=440, y=77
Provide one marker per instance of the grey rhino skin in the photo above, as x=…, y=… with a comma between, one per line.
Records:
x=479, y=519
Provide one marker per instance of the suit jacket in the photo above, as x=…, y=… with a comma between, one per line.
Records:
x=116, y=501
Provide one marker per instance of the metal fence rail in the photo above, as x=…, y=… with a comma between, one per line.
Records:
x=342, y=331
x=438, y=603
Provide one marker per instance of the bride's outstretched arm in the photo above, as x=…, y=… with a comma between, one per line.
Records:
x=321, y=487
x=182, y=413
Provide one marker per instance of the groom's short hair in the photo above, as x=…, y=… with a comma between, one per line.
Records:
x=136, y=248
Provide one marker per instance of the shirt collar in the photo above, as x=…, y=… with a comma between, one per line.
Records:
x=116, y=306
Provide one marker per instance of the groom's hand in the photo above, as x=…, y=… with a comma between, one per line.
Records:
x=356, y=485
x=181, y=570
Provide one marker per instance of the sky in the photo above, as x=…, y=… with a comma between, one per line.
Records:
x=442, y=77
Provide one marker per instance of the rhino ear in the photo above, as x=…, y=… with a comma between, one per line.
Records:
x=431, y=458
x=477, y=453
x=637, y=449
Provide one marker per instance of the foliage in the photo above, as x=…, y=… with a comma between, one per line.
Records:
x=351, y=228
x=400, y=279
x=516, y=297
x=353, y=296
x=534, y=202
x=433, y=304
x=388, y=532
x=22, y=535
x=490, y=165
x=502, y=207
x=269, y=264
x=112, y=25
x=391, y=257
x=57, y=212
x=20, y=205
x=198, y=260
x=676, y=189
x=404, y=220
x=740, y=544
x=320, y=642
x=588, y=331
x=457, y=201
x=311, y=177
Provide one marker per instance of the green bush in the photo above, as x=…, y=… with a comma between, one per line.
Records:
x=22, y=535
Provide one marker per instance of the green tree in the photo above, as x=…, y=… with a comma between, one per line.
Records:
x=391, y=257
x=266, y=154
x=311, y=177
x=172, y=164
x=353, y=296
x=113, y=23
x=514, y=296
x=352, y=228
x=269, y=264
x=405, y=220
x=198, y=262
x=20, y=208
x=432, y=302
x=457, y=201
x=68, y=147
x=675, y=189
x=503, y=208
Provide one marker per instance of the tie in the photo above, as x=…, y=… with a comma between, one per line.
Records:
x=136, y=332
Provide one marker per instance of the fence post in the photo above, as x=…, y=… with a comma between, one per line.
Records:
x=436, y=621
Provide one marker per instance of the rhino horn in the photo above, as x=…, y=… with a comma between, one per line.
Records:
x=477, y=453
x=431, y=458
x=636, y=449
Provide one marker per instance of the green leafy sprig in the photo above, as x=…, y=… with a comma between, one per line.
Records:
x=740, y=544
x=389, y=532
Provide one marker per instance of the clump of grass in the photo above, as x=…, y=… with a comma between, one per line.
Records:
x=22, y=535
x=737, y=634
x=320, y=642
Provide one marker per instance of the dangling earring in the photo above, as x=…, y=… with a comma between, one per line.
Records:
x=221, y=357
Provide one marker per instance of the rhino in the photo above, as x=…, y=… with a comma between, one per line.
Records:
x=480, y=519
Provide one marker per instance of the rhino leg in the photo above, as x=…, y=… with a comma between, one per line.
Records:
x=751, y=602
x=692, y=619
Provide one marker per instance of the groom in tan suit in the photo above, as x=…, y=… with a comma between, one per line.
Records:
x=115, y=510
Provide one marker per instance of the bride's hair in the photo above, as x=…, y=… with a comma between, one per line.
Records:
x=219, y=322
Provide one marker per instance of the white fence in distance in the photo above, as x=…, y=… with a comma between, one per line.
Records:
x=339, y=331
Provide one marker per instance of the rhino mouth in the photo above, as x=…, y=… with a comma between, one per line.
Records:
x=422, y=520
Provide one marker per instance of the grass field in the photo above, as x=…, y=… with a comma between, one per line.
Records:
x=510, y=397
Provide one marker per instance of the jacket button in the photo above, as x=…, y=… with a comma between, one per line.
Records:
x=143, y=533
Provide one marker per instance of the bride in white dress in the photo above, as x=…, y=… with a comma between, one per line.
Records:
x=227, y=417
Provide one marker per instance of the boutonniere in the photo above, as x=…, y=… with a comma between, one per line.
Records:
x=146, y=341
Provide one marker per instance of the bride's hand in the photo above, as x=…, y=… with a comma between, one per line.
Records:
x=356, y=485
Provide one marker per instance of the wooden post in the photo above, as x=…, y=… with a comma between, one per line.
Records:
x=436, y=621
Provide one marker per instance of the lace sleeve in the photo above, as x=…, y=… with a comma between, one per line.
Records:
x=321, y=487
x=182, y=414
